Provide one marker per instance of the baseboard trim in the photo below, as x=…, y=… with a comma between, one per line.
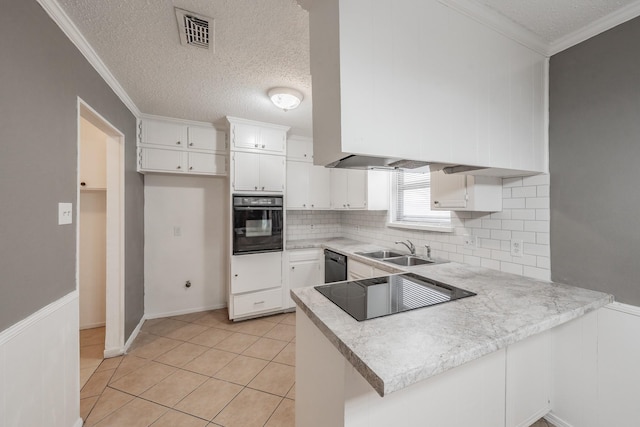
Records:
x=16, y=329
x=181, y=312
x=624, y=308
x=92, y=325
x=557, y=421
x=133, y=335
x=79, y=422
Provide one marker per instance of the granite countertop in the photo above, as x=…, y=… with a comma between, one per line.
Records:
x=396, y=351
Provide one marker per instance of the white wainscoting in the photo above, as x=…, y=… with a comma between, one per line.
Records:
x=40, y=368
x=595, y=372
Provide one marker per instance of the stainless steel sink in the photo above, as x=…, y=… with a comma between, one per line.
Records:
x=380, y=254
x=408, y=260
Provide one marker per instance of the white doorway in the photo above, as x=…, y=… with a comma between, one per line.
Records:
x=103, y=194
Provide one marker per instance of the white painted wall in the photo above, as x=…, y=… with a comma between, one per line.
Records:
x=40, y=366
x=196, y=208
x=93, y=225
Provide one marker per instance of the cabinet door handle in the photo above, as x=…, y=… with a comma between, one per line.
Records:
x=293, y=268
x=190, y=168
x=313, y=206
x=348, y=205
x=304, y=205
x=255, y=145
x=258, y=302
x=235, y=275
x=262, y=188
x=178, y=143
x=435, y=202
x=191, y=144
x=179, y=167
x=262, y=145
x=305, y=155
x=256, y=188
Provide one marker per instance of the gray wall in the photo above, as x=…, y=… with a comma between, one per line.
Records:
x=41, y=76
x=595, y=163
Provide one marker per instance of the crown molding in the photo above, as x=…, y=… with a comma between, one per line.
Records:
x=499, y=23
x=67, y=26
x=601, y=25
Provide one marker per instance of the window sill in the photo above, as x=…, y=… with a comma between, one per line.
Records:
x=424, y=227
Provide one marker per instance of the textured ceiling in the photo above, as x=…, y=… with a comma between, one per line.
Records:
x=551, y=20
x=259, y=44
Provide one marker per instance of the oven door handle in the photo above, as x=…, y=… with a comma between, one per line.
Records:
x=255, y=208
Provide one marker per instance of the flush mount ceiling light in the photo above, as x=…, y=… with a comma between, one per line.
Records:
x=285, y=98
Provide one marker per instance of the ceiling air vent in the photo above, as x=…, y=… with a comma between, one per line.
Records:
x=195, y=30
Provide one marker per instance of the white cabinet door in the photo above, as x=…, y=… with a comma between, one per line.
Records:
x=299, y=148
x=319, y=187
x=93, y=158
x=245, y=136
x=298, y=193
x=273, y=140
x=272, y=173
x=448, y=191
x=206, y=139
x=208, y=163
x=301, y=274
x=156, y=159
x=256, y=272
x=528, y=380
x=339, y=191
x=164, y=133
x=356, y=189
x=246, y=171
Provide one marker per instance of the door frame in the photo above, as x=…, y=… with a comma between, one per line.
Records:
x=114, y=319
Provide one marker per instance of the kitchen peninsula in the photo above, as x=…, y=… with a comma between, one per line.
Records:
x=481, y=361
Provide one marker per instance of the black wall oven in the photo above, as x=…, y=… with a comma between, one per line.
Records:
x=258, y=223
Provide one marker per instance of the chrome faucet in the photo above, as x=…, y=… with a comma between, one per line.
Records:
x=409, y=245
x=428, y=251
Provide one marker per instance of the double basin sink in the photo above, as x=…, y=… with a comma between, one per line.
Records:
x=397, y=258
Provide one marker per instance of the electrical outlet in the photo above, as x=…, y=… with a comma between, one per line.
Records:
x=65, y=213
x=470, y=242
x=516, y=248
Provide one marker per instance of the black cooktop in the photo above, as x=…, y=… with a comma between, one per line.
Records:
x=381, y=296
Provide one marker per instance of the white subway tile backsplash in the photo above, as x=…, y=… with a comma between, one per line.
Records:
x=515, y=225
x=525, y=216
x=512, y=182
x=536, y=180
x=531, y=191
x=537, y=203
x=508, y=267
x=513, y=203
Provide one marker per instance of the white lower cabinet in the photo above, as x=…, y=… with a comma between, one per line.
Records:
x=465, y=193
x=357, y=270
x=257, y=302
x=305, y=268
x=255, y=279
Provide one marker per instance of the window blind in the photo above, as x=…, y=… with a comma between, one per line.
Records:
x=411, y=199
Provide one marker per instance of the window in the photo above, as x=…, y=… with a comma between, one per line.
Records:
x=411, y=203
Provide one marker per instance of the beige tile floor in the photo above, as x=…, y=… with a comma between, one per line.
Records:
x=196, y=370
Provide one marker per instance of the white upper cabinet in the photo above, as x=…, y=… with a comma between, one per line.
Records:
x=163, y=133
x=300, y=148
x=248, y=135
x=414, y=79
x=258, y=172
x=465, y=193
x=174, y=147
x=359, y=189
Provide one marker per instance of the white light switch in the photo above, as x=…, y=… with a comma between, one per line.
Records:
x=65, y=213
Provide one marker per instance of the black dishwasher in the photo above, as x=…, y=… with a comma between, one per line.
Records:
x=335, y=267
